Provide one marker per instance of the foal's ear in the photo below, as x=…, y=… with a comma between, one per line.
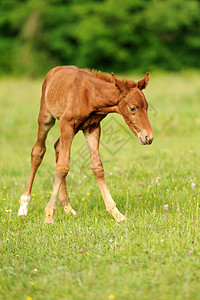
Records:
x=143, y=82
x=119, y=83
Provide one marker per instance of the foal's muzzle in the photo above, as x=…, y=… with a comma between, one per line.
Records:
x=145, y=138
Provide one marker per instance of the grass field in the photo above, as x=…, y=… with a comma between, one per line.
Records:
x=155, y=254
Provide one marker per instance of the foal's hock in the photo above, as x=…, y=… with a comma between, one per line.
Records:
x=80, y=99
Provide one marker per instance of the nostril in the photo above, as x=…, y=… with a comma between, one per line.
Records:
x=148, y=139
x=151, y=139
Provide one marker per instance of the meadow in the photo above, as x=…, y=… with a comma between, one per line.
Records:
x=155, y=254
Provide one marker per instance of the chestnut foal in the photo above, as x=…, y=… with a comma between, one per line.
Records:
x=80, y=99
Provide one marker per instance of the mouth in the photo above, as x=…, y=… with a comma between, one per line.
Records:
x=143, y=138
x=144, y=141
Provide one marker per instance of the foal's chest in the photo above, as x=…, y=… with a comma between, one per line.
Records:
x=92, y=121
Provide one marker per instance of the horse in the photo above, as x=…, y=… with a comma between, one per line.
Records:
x=80, y=99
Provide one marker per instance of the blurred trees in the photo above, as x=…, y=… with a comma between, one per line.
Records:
x=116, y=35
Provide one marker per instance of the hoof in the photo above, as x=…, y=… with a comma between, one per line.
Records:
x=74, y=213
x=50, y=212
x=68, y=209
x=121, y=218
x=117, y=215
x=23, y=210
x=49, y=220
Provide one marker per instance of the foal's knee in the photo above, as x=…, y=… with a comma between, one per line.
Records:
x=61, y=171
x=98, y=171
x=38, y=152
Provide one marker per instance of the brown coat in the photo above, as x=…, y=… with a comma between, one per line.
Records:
x=80, y=99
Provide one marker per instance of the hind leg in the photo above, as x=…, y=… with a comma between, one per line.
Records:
x=45, y=122
x=63, y=196
x=67, y=132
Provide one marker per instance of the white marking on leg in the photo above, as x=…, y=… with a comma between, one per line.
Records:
x=69, y=209
x=110, y=203
x=24, y=202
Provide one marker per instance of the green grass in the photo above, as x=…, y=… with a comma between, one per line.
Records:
x=148, y=256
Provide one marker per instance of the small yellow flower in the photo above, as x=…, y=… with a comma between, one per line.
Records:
x=112, y=297
x=88, y=194
x=50, y=192
x=4, y=199
x=4, y=187
x=48, y=214
x=28, y=298
x=4, y=241
x=6, y=207
x=197, y=203
x=7, y=239
x=33, y=195
x=32, y=283
x=194, y=198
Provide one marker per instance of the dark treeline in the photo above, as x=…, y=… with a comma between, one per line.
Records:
x=113, y=35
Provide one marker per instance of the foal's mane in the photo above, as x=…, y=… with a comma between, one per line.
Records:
x=109, y=78
x=101, y=75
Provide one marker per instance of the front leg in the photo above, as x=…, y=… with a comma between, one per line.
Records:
x=97, y=168
x=62, y=167
x=63, y=195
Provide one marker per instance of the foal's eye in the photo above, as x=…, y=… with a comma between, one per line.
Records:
x=132, y=109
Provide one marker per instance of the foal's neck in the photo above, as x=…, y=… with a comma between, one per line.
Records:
x=107, y=97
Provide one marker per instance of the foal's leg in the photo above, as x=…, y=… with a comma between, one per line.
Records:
x=62, y=166
x=97, y=168
x=45, y=122
x=63, y=196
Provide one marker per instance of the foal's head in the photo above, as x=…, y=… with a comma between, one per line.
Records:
x=133, y=107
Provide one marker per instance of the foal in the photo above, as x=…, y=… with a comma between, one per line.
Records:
x=80, y=99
